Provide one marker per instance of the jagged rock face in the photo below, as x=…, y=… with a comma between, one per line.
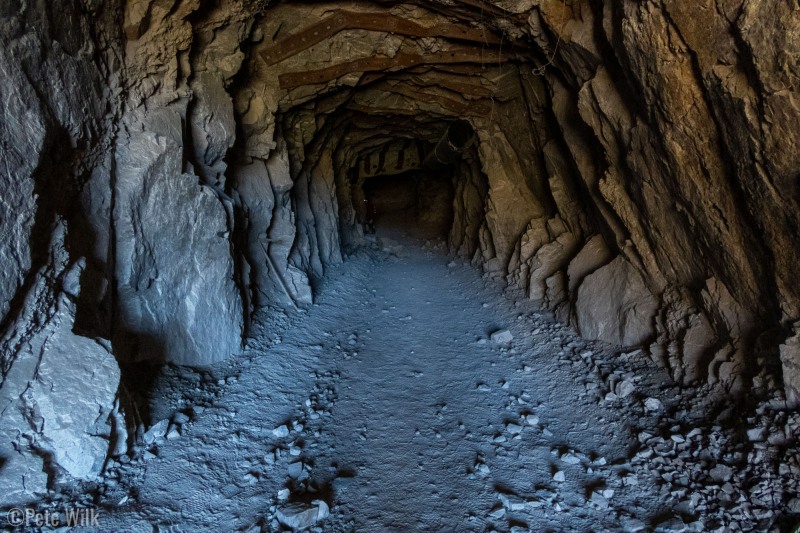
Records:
x=176, y=300
x=59, y=381
x=635, y=167
x=52, y=423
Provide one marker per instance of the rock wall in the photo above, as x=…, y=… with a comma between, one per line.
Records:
x=59, y=84
x=644, y=161
x=120, y=218
x=675, y=118
x=177, y=297
x=53, y=425
x=216, y=214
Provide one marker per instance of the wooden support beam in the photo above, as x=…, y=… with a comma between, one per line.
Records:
x=469, y=91
x=347, y=20
x=492, y=9
x=466, y=10
x=291, y=80
x=370, y=109
x=370, y=121
x=456, y=106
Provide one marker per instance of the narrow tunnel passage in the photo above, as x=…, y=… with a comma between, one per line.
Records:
x=454, y=265
x=417, y=203
x=391, y=401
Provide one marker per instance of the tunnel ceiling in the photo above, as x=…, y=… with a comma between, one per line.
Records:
x=380, y=73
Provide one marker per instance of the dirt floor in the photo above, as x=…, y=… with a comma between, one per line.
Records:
x=391, y=400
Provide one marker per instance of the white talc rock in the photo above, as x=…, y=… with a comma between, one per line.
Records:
x=299, y=516
x=502, y=337
x=49, y=409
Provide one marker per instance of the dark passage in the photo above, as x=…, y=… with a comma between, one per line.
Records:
x=418, y=203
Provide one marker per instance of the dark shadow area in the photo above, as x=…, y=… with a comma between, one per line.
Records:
x=418, y=203
x=137, y=381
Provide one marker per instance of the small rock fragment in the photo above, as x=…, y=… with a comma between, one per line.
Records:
x=570, y=458
x=296, y=470
x=671, y=525
x=511, y=502
x=599, y=500
x=300, y=516
x=498, y=513
x=721, y=473
x=501, y=337
x=281, y=431
x=180, y=418
x=624, y=388
x=157, y=431
x=632, y=525
x=514, y=429
x=755, y=434
x=652, y=404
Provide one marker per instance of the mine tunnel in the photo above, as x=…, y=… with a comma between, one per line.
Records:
x=463, y=265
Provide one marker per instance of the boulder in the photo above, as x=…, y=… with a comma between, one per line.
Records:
x=176, y=297
x=790, y=361
x=502, y=336
x=615, y=306
x=299, y=516
x=57, y=401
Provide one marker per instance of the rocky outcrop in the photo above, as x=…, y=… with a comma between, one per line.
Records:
x=52, y=423
x=614, y=305
x=59, y=380
x=176, y=297
x=678, y=99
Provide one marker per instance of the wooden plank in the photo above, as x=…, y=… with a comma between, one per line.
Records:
x=463, y=88
x=456, y=106
x=488, y=7
x=347, y=20
x=291, y=80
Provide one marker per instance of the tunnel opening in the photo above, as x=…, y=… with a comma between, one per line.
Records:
x=457, y=138
x=418, y=203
